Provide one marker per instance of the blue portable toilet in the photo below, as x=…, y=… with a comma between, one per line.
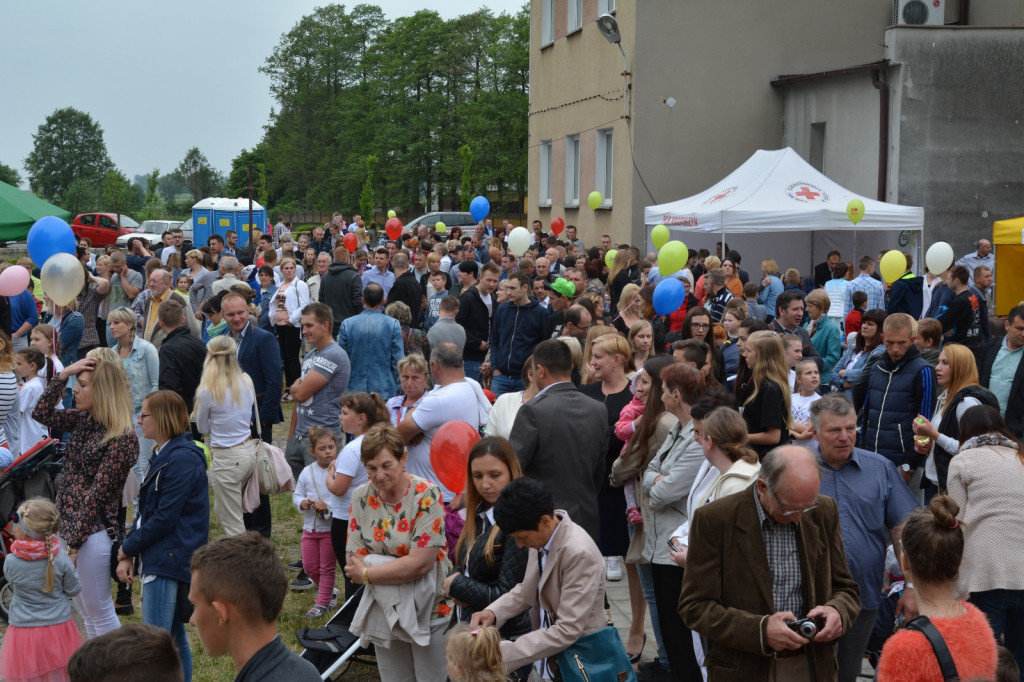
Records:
x=216, y=215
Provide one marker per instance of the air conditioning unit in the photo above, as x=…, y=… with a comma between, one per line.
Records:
x=919, y=12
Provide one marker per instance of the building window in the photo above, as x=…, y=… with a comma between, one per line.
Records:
x=545, y=173
x=572, y=170
x=575, y=16
x=817, y=159
x=603, y=165
x=605, y=7
x=547, y=22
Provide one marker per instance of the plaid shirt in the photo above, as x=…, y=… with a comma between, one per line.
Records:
x=783, y=561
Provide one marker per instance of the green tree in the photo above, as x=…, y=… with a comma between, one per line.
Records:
x=67, y=146
x=81, y=196
x=118, y=193
x=237, y=184
x=366, y=202
x=9, y=175
x=196, y=173
x=170, y=186
x=467, y=175
x=152, y=200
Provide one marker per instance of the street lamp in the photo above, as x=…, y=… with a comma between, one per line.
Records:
x=609, y=28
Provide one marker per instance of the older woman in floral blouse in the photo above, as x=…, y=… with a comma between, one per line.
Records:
x=396, y=538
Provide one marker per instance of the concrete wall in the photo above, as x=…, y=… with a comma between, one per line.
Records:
x=717, y=59
x=958, y=138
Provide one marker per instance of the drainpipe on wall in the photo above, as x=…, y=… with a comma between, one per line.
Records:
x=883, y=129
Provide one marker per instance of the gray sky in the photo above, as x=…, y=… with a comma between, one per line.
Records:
x=160, y=76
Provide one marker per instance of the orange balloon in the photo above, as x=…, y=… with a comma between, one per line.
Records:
x=449, y=454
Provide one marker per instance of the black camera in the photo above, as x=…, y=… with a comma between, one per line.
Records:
x=806, y=627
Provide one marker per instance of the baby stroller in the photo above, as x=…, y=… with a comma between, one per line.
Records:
x=32, y=474
x=333, y=647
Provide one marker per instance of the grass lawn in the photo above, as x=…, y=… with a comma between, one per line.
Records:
x=287, y=535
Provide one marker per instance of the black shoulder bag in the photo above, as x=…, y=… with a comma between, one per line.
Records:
x=923, y=625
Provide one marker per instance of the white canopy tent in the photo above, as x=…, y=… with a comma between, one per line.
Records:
x=776, y=205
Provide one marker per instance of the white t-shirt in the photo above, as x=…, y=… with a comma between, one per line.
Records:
x=487, y=302
x=31, y=431
x=460, y=401
x=801, y=410
x=349, y=464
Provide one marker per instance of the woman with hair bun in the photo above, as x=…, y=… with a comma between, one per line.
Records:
x=932, y=549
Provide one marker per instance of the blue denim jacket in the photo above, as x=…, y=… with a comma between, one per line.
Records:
x=374, y=345
x=143, y=368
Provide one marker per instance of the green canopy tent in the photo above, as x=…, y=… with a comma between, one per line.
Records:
x=19, y=210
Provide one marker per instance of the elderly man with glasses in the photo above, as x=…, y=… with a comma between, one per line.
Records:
x=761, y=559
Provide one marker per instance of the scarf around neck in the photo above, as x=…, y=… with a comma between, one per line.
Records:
x=988, y=439
x=33, y=550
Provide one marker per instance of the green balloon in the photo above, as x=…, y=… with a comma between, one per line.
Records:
x=609, y=257
x=672, y=257
x=659, y=236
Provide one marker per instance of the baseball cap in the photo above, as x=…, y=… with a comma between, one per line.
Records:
x=561, y=286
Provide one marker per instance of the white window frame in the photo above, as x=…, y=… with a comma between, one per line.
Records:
x=604, y=165
x=572, y=170
x=573, y=16
x=544, y=190
x=605, y=7
x=547, y=23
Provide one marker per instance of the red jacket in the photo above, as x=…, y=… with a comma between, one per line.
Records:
x=908, y=656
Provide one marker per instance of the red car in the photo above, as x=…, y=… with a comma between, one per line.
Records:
x=102, y=228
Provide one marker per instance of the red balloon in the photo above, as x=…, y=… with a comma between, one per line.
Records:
x=393, y=227
x=557, y=225
x=350, y=242
x=449, y=453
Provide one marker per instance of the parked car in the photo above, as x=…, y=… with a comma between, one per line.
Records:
x=153, y=231
x=449, y=218
x=102, y=229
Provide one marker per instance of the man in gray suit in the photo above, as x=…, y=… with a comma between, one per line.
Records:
x=561, y=436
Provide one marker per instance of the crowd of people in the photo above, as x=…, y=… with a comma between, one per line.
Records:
x=785, y=469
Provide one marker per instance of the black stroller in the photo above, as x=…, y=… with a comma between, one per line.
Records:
x=32, y=474
x=332, y=647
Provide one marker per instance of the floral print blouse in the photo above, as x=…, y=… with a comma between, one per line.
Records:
x=416, y=520
x=89, y=490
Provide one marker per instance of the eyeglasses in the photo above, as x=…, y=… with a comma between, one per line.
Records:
x=143, y=415
x=700, y=325
x=782, y=509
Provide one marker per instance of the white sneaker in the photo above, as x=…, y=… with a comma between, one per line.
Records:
x=613, y=568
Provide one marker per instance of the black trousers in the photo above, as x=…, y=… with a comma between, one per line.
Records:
x=290, y=341
x=668, y=581
x=339, y=539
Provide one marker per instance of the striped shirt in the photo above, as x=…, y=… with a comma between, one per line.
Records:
x=783, y=561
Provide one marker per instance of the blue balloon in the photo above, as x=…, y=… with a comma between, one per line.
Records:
x=479, y=208
x=668, y=296
x=50, y=235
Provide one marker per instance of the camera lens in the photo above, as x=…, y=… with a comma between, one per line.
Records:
x=808, y=630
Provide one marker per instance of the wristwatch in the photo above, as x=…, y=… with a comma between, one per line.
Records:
x=905, y=468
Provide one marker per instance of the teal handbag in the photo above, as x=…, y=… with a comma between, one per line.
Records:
x=597, y=657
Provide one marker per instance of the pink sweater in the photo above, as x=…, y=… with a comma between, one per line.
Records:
x=624, y=427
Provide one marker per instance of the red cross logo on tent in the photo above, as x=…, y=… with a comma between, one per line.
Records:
x=807, y=193
x=721, y=195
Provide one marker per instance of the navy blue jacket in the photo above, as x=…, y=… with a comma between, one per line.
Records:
x=174, y=505
x=514, y=333
x=897, y=393
x=906, y=296
x=260, y=358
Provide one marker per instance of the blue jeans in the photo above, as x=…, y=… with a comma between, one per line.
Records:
x=1004, y=610
x=647, y=583
x=159, y=604
x=472, y=368
x=504, y=383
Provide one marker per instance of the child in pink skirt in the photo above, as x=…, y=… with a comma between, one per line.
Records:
x=42, y=636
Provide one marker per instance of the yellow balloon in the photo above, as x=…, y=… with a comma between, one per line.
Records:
x=392, y=214
x=892, y=266
x=440, y=227
x=672, y=258
x=609, y=257
x=659, y=236
x=594, y=200
x=855, y=210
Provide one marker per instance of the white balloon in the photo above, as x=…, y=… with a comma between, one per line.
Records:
x=62, y=277
x=518, y=240
x=939, y=257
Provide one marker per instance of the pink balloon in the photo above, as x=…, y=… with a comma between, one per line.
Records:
x=14, y=280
